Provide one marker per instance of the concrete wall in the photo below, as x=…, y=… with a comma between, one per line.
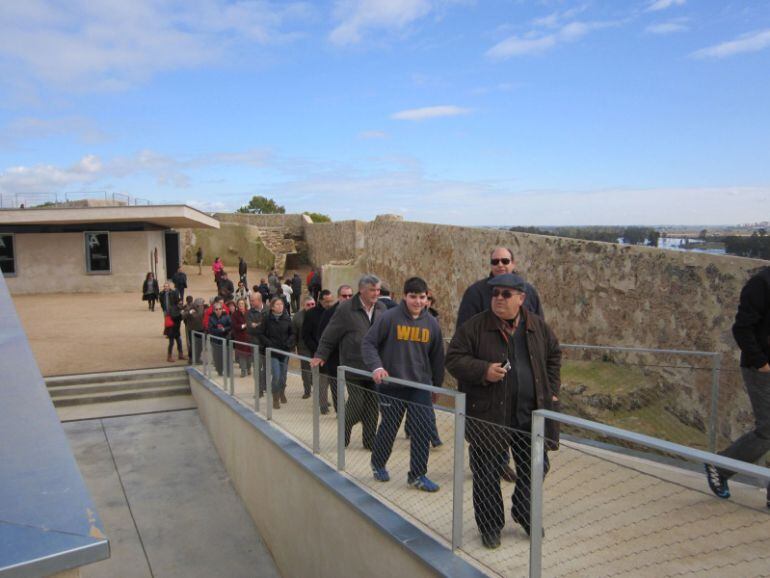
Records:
x=56, y=263
x=293, y=224
x=342, y=241
x=228, y=243
x=309, y=530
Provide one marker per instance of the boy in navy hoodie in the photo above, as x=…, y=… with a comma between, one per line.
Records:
x=405, y=342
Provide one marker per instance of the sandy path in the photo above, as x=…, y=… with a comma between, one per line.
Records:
x=90, y=332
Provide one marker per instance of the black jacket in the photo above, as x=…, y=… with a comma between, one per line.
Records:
x=752, y=322
x=310, y=327
x=180, y=280
x=169, y=302
x=277, y=333
x=478, y=298
x=150, y=288
x=296, y=285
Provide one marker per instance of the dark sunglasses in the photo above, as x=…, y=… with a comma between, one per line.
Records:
x=505, y=293
x=504, y=261
x=346, y=296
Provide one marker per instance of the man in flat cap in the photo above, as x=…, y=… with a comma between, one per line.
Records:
x=508, y=362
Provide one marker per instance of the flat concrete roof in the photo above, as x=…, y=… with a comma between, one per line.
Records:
x=167, y=216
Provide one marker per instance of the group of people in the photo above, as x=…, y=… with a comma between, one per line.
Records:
x=503, y=354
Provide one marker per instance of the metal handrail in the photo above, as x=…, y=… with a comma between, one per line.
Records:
x=538, y=460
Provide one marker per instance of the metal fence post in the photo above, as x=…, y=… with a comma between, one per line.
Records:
x=315, y=378
x=536, y=504
x=231, y=365
x=340, y=418
x=256, y=373
x=458, y=475
x=193, y=352
x=716, y=363
x=207, y=361
x=268, y=382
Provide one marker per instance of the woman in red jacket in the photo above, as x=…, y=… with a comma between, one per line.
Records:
x=243, y=353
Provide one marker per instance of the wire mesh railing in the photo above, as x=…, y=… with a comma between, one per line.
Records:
x=610, y=514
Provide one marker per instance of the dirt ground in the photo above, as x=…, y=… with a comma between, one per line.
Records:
x=91, y=332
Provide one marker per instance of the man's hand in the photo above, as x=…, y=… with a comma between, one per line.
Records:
x=495, y=373
x=317, y=361
x=765, y=368
x=379, y=374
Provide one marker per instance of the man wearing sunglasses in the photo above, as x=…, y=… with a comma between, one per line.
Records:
x=478, y=296
x=508, y=362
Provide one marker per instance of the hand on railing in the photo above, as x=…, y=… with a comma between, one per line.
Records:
x=379, y=374
x=317, y=361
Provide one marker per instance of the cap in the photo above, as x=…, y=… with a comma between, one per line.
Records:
x=510, y=280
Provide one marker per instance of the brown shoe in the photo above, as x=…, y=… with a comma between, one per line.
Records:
x=170, y=359
x=182, y=357
x=276, y=403
x=508, y=474
x=283, y=397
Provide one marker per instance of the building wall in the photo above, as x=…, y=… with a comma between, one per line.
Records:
x=56, y=263
x=335, y=242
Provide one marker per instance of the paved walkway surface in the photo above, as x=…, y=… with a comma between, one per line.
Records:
x=166, y=502
x=88, y=332
x=606, y=514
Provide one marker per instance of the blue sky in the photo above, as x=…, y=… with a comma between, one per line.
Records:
x=450, y=111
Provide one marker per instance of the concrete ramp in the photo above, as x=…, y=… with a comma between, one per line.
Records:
x=165, y=500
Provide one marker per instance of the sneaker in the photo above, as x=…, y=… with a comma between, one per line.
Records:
x=491, y=540
x=717, y=482
x=380, y=474
x=423, y=483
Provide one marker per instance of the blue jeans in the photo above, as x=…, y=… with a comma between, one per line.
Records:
x=394, y=402
x=279, y=366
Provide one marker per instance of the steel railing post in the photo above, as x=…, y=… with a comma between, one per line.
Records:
x=207, y=361
x=192, y=348
x=268, y=382
x=458, y=475
x=231, y=365
x=536, y=504
x=315, y=379
x=716, y=363
x=340, y=418
x=255, y=372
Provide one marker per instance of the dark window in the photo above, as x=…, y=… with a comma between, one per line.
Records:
x=7, y=255
x=97, y=252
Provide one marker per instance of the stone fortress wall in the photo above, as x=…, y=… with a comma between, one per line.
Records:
x=592, y=292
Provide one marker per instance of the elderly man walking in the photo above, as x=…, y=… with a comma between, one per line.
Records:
x=507, y=360
x=346, y=330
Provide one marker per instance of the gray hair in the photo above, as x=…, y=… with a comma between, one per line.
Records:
x=368, y=279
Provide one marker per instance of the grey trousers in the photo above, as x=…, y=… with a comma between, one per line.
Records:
x=753, y=445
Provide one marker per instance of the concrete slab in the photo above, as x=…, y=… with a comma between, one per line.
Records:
x=123, y=408
x=168, y=505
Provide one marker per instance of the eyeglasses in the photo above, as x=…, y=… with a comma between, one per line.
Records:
x=504, y=261
x=346, y=296
x=504, y=293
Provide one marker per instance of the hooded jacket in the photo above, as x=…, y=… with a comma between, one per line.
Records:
x=406, y=347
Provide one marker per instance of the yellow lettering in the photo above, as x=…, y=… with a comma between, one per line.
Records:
x=402, y=332
x=425, y=336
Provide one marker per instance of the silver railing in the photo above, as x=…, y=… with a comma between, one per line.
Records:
x=458, y=469
x=539, y=440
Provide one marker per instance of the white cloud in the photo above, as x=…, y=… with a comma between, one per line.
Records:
x=658, y=5
x=111, y=44
x=25, y=128
x=536, y=42
x=751, y=42
x=359, y=16
x=165, y=169
x=417, y=114
x=669, y=27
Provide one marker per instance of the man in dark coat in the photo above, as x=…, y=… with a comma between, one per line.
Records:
x=297, y=322
x=311, y=335
x=180, y=282
x=226, y=288
x=751, y=331
x=478, y=297
x=346, y=331
x=296, y=291
x=242, y=271
x=508, y=362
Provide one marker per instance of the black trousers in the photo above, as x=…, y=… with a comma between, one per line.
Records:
x=487, y=460
x=362, y=406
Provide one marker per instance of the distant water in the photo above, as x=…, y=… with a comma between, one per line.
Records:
x=678, y=244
